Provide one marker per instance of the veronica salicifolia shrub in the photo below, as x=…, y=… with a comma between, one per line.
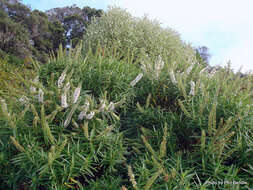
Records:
x=135, y=38
x=58, y=135
x=97, y=120
x=93, y=121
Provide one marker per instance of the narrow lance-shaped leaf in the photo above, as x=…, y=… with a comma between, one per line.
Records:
x=203, y=140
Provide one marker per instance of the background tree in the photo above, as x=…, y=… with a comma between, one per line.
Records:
x=24, y=32
x=40, y=35
x=203, y=55
x=13, y=36
x=74, y=21
x=57, y=34
x=16, y=10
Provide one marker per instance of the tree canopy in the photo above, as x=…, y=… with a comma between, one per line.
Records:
x=33, y=33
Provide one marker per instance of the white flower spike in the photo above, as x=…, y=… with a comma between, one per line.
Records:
x=111, y=106
x=102, y=107
x=41, y=96
x=77, y=93
x=23, y=99
x=172, y=77
x=62, y=78
x=64, y=103
x=66, y=88
x=82, y=115
x=35, y=80
x=90, y=115
x=86, y=106
x=137, y=79
x=189, y=69
x=192, y=92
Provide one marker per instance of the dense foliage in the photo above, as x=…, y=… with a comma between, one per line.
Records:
x=73, y=20
x=142, y=37
x=26, y=33
x=112, y=116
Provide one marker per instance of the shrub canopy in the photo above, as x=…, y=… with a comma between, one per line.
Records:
x=117, y=29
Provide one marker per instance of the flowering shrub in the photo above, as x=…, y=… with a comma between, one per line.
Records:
x=135, y=38
x=97, y=121
x=61, y=135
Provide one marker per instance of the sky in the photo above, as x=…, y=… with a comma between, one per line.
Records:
x=224, y=26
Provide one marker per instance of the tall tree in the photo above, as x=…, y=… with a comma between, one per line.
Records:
x=74, y=20
x=13, y=36
x=24, y=32
x=15, y=10
x=203, y=55
x=57, y=34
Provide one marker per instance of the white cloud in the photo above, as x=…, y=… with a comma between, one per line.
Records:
x=224, y=26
